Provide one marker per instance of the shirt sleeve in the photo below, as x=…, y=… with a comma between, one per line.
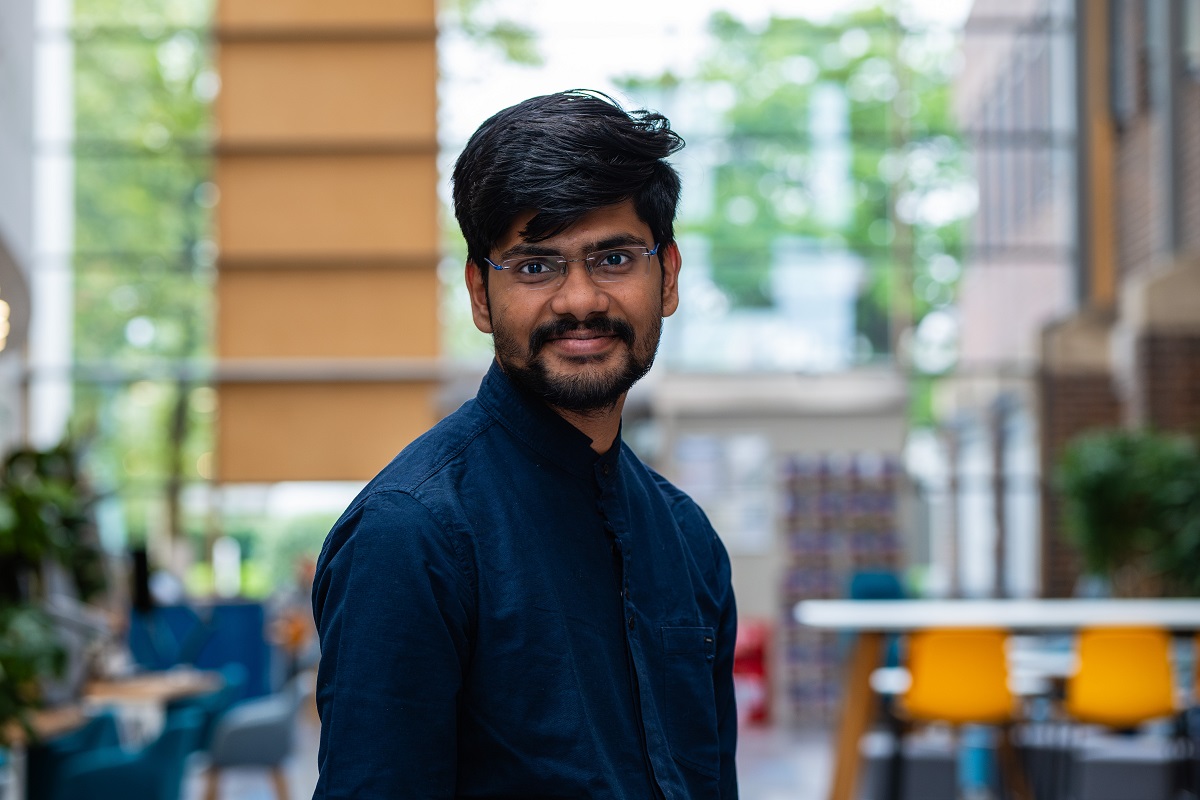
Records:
x=727, y=723
x=392, y=606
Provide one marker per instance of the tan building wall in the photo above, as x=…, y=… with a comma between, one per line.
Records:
x=327, y=330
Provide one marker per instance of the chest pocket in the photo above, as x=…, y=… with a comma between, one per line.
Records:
x=690, y=715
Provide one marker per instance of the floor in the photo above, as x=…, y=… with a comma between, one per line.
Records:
x=773, y=764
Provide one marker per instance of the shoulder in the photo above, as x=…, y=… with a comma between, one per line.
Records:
x=384, y=548
x=433, y=452
x=409, y=509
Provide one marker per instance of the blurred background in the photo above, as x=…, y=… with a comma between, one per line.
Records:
x=940, y=314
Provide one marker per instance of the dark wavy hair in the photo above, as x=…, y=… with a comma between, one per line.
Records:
x=564, y=155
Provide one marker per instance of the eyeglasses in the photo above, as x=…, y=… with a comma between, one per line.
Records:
x=605, y=266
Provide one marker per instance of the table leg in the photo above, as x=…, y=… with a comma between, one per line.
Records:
x=859, y=706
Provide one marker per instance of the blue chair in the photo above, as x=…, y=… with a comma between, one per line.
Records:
x=214, y=704
x=45, y=761
x=206, y=637
x=153, y=773
x=878, y=584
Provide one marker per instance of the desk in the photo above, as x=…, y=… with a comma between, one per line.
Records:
x=873, y=618
x=139, y=700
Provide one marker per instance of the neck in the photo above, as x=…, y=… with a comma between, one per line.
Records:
x=601, y=426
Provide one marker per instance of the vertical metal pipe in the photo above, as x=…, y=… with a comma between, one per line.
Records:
x=1083, y=142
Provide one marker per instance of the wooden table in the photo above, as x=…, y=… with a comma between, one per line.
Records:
x=873, y=618
x=153, y=687
x=139, y=701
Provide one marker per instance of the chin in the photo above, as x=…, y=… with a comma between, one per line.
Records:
x=588, y=387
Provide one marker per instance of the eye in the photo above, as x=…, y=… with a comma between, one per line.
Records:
x=535, y=268
x=613, y=259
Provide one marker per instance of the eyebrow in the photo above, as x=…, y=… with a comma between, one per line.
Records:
x=535, y=249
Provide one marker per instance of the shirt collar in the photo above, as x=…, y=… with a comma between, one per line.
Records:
x=527, y=417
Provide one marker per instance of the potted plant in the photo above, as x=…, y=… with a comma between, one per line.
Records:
x=1131, y=501
x=45, y=524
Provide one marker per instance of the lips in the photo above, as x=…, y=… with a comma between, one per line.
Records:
x=583, y=345
x=589, y=336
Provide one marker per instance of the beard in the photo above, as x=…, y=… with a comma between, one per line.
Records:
x=587, y=390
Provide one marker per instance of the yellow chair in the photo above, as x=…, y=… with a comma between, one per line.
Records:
x=960, y=677
x=1123, y=678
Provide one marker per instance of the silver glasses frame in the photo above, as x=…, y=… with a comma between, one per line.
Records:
x=559, y=265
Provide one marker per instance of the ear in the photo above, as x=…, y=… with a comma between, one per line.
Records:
x=671, y=262
x=481, y=311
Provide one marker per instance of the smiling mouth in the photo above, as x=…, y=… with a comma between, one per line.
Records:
x=586, y=338
x=584, y=343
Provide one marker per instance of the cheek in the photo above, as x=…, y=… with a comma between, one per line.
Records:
x=644, y=313
x=511, y=319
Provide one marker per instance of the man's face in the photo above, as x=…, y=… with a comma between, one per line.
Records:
x=582, y=344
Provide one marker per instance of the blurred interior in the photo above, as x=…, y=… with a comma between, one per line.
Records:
x=939, y=333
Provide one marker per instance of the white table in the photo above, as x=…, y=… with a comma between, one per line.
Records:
x=1024, y=615
x=873, y=618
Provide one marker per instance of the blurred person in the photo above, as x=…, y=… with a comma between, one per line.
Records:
x=291, y=627
x=517, y=606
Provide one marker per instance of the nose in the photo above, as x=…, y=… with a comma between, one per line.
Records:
x=578, y=295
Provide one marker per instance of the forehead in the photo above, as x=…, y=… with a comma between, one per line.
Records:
x=592, y=227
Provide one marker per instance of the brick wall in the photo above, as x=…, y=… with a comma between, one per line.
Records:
x=1070, y=404
x=1168, y=381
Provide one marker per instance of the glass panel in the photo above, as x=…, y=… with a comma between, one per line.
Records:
x=143, y=259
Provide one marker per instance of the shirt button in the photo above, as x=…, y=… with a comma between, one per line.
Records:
x=631, y=623
x=605, y=469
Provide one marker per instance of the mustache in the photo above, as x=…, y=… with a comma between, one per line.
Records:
x=604, y=326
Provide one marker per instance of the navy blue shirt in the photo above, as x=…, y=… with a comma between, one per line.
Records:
x=506, y=614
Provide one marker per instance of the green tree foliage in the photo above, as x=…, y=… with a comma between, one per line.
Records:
x=144, y=258
x=473, y=19
x=906, y=162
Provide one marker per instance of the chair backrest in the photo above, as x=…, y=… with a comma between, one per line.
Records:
x=44, y=760
x=875, y=584
x=153, y=773
x=958, y=676
x=1123, y=678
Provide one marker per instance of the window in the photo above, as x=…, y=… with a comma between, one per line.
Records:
x=1126, y=81
x=1191, y=37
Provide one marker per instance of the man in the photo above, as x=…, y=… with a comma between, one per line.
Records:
x=516, y=606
